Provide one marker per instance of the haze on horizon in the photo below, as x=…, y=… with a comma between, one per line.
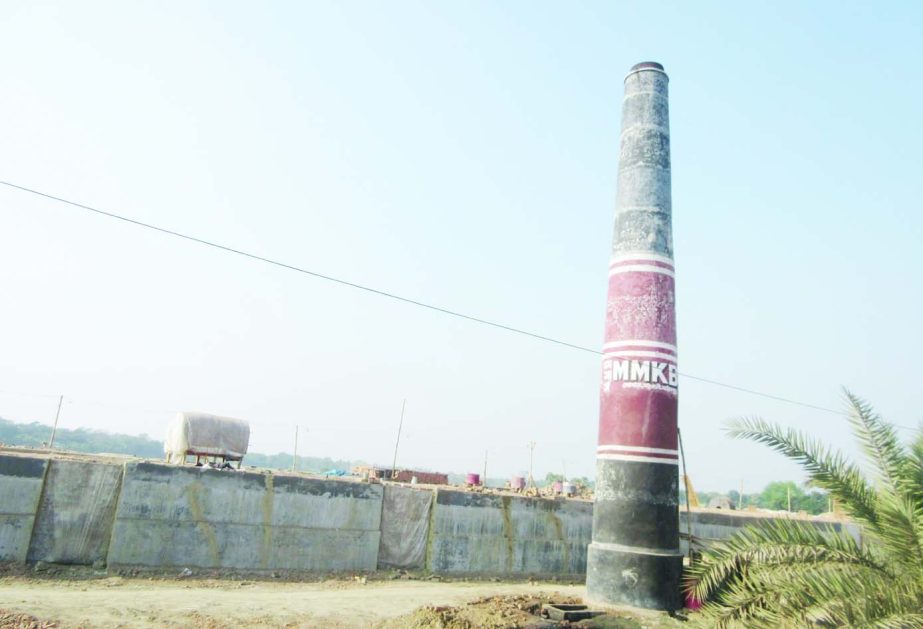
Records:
x=462, y=155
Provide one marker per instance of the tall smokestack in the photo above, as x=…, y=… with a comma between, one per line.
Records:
x=634, y=558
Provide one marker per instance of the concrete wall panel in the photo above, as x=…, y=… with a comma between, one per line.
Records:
x=160, y=544
x=75, y=515
x=489, y=534
x=326, y=504
x=160, y=492
x=21, y=480
x=184, y=516
x=405, y=518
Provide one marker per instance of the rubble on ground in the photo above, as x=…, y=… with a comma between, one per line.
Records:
x=14, y=620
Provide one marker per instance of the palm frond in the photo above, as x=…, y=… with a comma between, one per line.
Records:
x=815, y=593
x=898, y=620
x=773, y=543
x=827, y=468
x=785, y=573
x=914, y=467
x=879, y=441
x=799, y=595
x=851, y=597
x=899, y=531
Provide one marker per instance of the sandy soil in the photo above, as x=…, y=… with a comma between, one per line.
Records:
x=213, y=604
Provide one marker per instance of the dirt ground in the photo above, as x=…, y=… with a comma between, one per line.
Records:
x=340, y=604
x=401, y=603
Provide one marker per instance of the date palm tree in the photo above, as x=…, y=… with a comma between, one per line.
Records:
x=791, y=573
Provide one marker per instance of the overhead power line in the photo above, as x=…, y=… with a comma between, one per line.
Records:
x=761, y=394
x=382, y=293
x=292, y=267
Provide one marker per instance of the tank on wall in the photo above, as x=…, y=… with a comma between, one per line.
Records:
x=204, y=435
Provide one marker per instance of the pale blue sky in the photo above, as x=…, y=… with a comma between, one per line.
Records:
x=463, y=154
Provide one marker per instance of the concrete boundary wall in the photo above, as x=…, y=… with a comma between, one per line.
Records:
x=21, y=482
x=139, y=514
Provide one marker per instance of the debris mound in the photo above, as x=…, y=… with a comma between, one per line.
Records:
x=15, y=620
x=493, y=612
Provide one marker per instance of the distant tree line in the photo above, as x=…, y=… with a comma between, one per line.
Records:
x=36, y=435
x=579, y=481
x=774, y=496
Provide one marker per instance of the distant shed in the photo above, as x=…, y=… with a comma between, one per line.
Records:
x=402, y=476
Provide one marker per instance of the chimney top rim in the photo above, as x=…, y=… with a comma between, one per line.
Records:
x=647, y=65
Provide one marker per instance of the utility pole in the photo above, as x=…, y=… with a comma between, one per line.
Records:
x=396, y=443
x=531, y=458
x=484, y=477
x=687, y=486
x=740, y=496
x=788, y=492
x=295, y=449
x=54, y=428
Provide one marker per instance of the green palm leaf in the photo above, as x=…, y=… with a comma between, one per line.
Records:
x=828, y=469
x=794, y=573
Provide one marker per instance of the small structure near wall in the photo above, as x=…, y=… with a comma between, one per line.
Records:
x=721, y=502
x=401, y=476
x=206, y=437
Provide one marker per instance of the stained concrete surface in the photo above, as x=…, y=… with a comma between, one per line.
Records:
x=496, y=534
x=161, y=516
x=171, y=516
x=405, y=517
x=21, y=481
x=75, y=514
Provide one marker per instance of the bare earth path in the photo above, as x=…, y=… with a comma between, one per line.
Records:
x=126, y=602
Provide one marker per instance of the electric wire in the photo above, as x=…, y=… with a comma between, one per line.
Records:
x=292, y=267
x=382, y=293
